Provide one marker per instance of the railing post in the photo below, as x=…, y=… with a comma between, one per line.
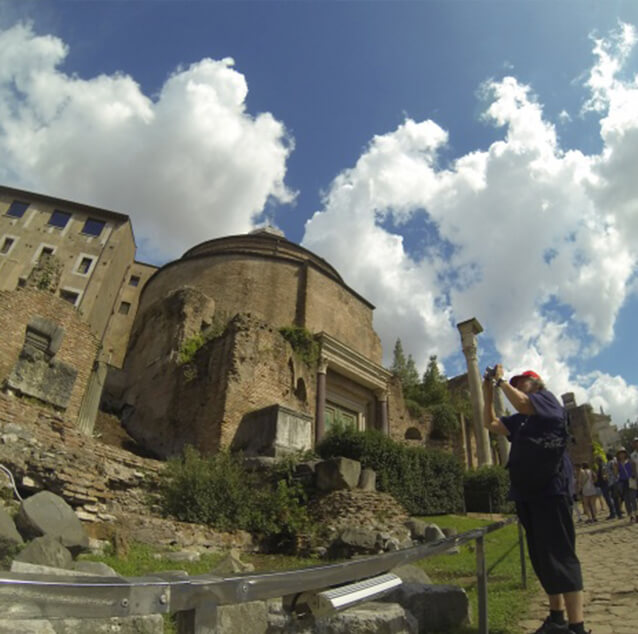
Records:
x=481, y=577
x=521, y=547
x=201, y=620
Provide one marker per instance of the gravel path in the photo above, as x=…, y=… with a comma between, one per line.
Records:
x=608, y=552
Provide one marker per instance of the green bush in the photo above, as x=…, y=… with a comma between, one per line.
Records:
x=486, y=490
x=303, y=342
x=426, y=482
x=445, y=422
x=220, y=492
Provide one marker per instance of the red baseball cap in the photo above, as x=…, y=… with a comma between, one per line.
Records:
x=524, y=375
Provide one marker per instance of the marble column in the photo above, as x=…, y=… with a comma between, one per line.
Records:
x=503, y=443
x=382, y=399
x=468, y=330
x=320, y=423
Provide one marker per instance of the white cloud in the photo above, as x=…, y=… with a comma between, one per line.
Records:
x=613, y=394
x=543, y=237
x=191, y=164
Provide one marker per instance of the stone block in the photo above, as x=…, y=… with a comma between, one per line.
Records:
x=45, y=551
x=409, y=573
x=152, y=624
x=433, y=533
x=273, y=431
x=368, y=480
x=48, y=514
x=338, y=473
x=9, y=536
x=417, y=528
x=241, y=618
x=436, y=608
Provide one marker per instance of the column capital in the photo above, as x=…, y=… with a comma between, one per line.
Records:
x=470, y=326
x=322, y=365
x=381, y=394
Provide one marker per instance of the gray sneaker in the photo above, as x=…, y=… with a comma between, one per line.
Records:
x=549, y=627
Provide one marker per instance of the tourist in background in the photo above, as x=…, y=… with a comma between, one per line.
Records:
x=627, y=482
x=614, y=486
x=588, y=488
x=602, y=483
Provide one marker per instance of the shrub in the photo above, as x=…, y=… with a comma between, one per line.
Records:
x=220, y=492
x=426, y=482
x=486, y=490
x=415, y=408
x=444, y=421
x=303, y=342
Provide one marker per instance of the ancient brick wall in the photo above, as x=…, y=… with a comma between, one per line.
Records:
x=334, y=309
x=78, y=348
x=202, y=402
x=402, y=423
x=263, y=370
x=46, y=452
x=264, y=287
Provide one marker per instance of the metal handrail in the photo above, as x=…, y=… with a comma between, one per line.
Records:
x=24, y=595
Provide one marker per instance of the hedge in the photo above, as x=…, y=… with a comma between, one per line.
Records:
x=486, y=490
x=426, y=482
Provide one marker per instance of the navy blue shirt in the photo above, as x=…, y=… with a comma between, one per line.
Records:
x=549, y=417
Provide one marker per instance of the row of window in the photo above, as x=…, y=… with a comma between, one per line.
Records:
x=58, y=218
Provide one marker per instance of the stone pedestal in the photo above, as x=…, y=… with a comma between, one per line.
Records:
x=469, y=329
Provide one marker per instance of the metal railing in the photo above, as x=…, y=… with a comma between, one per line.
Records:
x=195, y=599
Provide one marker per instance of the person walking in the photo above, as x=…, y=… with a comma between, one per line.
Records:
x=627, y=481
x=588, y=488
x=602, y=482
x=541, y=484
x=614, y=486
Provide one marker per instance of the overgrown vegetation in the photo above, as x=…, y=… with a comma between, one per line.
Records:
x=425, y=481
x=192, y=344
x=218, y=491
x=303, y=342
x=486, y=490
x=430, y=394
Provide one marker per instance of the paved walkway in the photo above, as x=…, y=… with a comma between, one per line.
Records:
x=608, y=552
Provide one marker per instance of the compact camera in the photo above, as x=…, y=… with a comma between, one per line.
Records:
x=490, y=372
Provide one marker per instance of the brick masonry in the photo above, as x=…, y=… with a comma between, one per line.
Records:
x=79, y=346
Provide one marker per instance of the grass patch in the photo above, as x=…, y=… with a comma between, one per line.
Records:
x=507, y=600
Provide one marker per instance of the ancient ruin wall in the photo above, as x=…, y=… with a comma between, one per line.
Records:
x=334, y=309
x=201, y=403
x=266, y=288
x=263, y=370
x=78, y=348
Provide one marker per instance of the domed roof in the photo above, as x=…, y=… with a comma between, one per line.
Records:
x=264, y=242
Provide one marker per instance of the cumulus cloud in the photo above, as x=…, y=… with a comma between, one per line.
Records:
x=540, y=239
x=188, y=165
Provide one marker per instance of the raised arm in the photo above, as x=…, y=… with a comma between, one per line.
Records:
x=490, y=420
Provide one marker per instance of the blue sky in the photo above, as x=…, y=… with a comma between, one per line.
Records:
x=451, y=159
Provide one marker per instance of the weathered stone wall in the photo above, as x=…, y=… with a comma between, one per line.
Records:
x=78, y=348
x=45, y=452
x=201, y=403
x=402, y=423
x=334, y=309
x=280, y=290
x=266, y=288
x=263, y=370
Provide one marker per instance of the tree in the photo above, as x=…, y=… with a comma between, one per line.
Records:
x=398, y=360
x=434, y=387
